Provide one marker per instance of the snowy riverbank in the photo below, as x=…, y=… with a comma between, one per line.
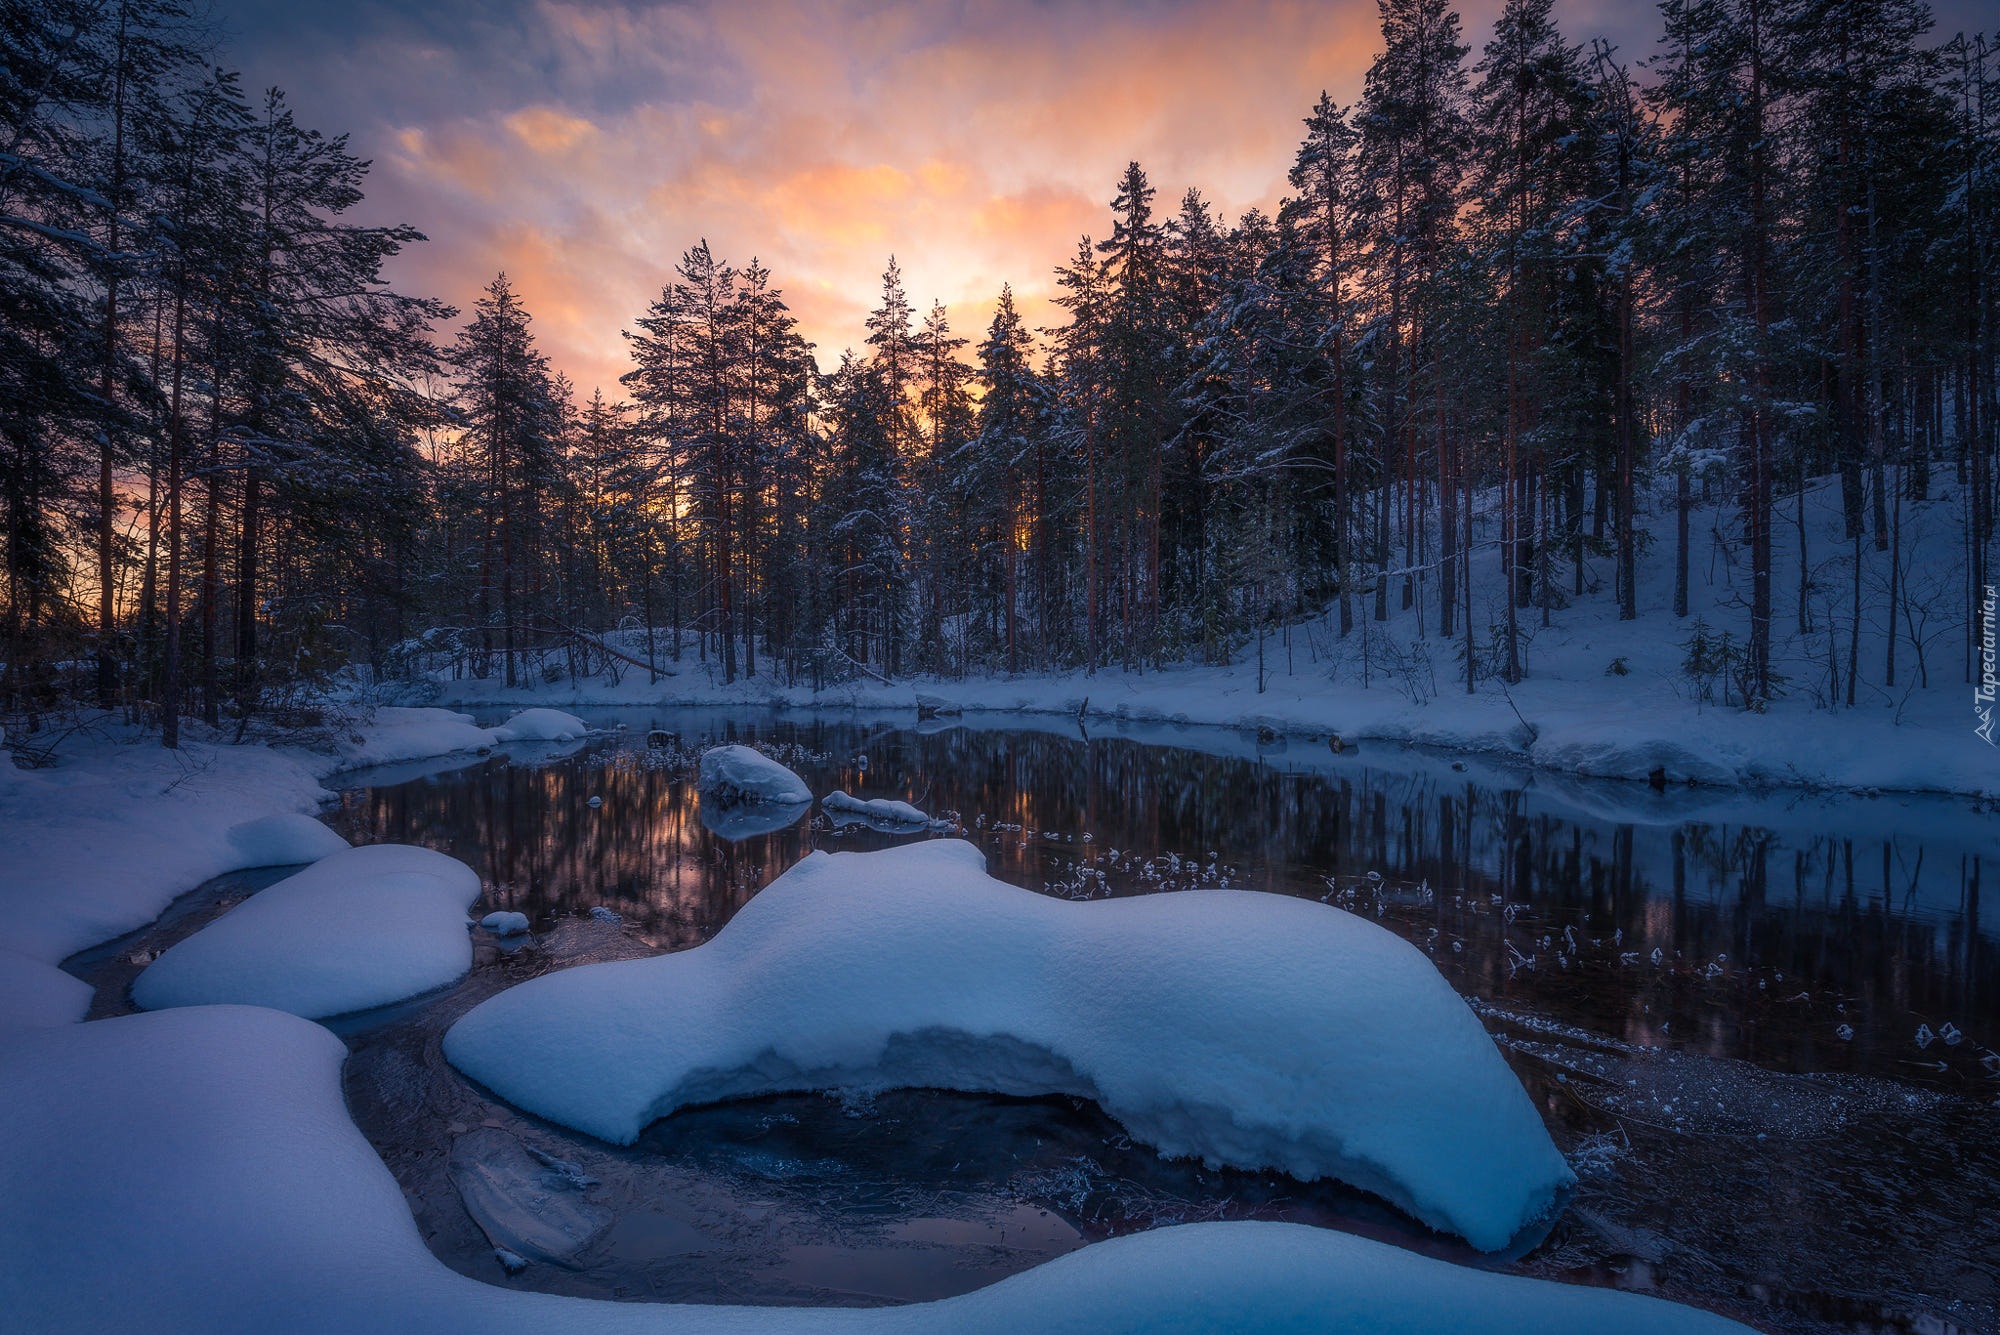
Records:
x=1620, y=727
x=1599, y=696
x=100, y=843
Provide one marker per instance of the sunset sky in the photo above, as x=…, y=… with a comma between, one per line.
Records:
x=583, y=145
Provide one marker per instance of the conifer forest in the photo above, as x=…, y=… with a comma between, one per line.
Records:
x=1529, y=305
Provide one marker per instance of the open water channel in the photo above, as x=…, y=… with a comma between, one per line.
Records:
x=1761, y=1025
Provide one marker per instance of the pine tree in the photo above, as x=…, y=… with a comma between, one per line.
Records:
x=1323, y=214
x=516, y=416
x=945, y=406
x=1411, y=158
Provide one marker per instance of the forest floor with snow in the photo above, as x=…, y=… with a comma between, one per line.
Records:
x=1600, y=697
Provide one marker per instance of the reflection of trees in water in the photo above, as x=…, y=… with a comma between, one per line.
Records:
x=1873, y=922
x=542, y=849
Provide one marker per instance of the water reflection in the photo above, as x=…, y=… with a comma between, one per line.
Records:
x=1657, y=967
x=1805, y=933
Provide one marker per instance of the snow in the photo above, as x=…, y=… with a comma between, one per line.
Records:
x=100, y=844
x=409, y=734
x=196, y=1171
x=541, y=725
x=505, y=923
x=34, y=995
x=878, y=809
x=740, y=774
x=1252, y=1030
x=283, y=839
x=360, y=928
x=1397, y=681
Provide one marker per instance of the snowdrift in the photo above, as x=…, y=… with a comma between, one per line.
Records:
x=196, y=1171
x=360, y=928
x=283, y=839
x=1252, y=1030
x=36, y=995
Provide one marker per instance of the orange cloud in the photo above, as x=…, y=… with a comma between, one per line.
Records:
x=546, y=130
x=974, y=142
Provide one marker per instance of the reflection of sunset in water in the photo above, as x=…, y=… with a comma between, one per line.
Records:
x=1655, y=966
x=1513, y=896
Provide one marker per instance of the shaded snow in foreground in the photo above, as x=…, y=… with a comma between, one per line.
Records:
x=1252, y=1030
x=360, y=928
x=262, y=1208
x=34, y=994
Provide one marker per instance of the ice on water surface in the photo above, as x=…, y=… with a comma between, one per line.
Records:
x=525, y=1201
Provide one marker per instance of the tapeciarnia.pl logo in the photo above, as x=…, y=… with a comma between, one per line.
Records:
x=1982, y=695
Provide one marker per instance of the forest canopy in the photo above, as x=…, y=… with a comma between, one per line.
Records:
x=1527, y=306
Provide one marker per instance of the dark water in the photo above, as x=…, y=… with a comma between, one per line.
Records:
x=1761, y=1026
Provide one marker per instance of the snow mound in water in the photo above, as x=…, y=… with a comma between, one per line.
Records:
x=263, y=1209
x=739, y=774
x=880, y=809
x=541, y=725
x=505, y=922
x=34, y=995
x=361, y=928
x=281, y=840
x=1253, y=1030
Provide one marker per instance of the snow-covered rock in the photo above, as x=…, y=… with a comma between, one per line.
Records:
x=1252, y=1030
x=196, y=1171
x=34, y=995
x=740, y=774
x=363, y=927
x=283, y=839
x=541, y=725
x=505, y=922
x=881, y=809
